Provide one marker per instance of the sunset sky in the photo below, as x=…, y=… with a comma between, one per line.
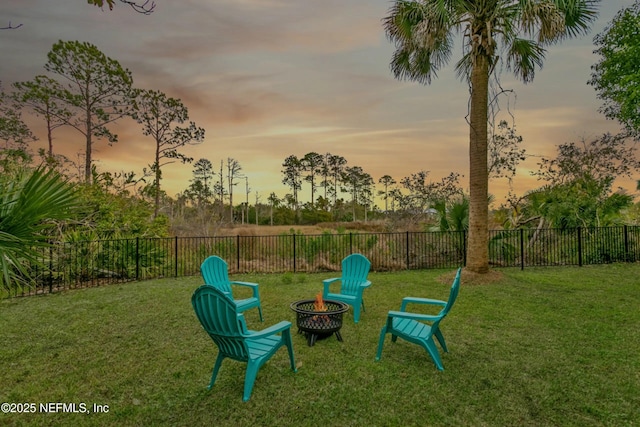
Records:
x=271, y=78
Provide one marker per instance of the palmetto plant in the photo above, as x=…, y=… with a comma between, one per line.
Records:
x=516, y=30
x=30, y=203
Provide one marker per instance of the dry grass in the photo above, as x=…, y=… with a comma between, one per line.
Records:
x=275, y=230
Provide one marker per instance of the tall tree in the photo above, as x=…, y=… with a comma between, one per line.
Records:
x=97, y=92
x=200, y=187
x=615, y=77
x=312, y=166
x=203, y=171
x=220, y=184
x=386, y=182
x=358, y=183
x=336, y=165
x=234, y=172
x=158, y=115
x=274, y=202
x=293, y=177
x=517, y=30
x=39, y=95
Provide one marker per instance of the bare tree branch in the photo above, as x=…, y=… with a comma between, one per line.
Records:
x=11, y=27
x=145, y=8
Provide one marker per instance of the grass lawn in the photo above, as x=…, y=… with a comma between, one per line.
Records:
x=543, y=346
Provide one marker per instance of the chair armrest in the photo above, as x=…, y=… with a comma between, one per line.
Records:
x=328, y=282
x=366, y=284
x=249, y=284
x=414, y=316
x=414, y=300
x=253, y=286
x=271, y=330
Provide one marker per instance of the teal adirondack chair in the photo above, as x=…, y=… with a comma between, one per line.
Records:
x=216, y=273
x=353, y=282
x=220, y=318
x=412, y=326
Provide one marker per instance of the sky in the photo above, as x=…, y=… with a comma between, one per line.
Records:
x=270, y=78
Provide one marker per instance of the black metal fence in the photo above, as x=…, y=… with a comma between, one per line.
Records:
x=93, y=263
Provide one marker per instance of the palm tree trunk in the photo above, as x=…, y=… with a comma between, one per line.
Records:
x=478, y=248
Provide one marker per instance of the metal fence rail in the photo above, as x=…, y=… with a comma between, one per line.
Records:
x=93, y=263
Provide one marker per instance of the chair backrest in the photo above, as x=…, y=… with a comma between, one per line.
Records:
x=219, y=317
x=453, y=293
x=355, y=269
x=215, y=272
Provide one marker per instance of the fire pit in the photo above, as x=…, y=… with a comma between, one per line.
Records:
x=318, y=318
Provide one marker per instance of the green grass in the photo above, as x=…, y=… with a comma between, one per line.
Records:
x=552, y=346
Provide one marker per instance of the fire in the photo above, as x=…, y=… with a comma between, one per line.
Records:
x=319, y=305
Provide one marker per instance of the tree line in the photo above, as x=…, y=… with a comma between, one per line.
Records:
x=88, y=91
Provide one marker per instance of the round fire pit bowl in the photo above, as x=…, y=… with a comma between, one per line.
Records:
x=317, y=324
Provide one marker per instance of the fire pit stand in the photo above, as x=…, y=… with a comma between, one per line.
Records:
x=319, y=324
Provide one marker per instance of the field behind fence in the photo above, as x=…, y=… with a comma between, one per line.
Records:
x=93, y=263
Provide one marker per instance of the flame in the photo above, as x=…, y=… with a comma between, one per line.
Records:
x=319, y=305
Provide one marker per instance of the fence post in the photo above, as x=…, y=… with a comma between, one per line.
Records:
x=137, y=258
x=51, y=268
x=521, y=249
x=293, y=236
x=627, y=258
x=406, y=246
x=464, y=248
x=237, y=252
x=176, y=252
x=580, y=246
x=350, y=243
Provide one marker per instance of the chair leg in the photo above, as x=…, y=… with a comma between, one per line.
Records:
x=383, y=332
x=260, y=311
x=441, y=340
x=430, y=346
x=286, y=336
x=356, y=313
x=216, y=368
x=249, y=379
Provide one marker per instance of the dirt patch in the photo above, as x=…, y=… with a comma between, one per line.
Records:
x=470, y=278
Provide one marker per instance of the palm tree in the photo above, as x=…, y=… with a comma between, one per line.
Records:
x=29, y=203
x=517, y=30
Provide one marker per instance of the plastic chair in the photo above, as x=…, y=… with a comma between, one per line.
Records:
x=412, y=326
x=220, y=318
x=353, y=282
x=215, y=272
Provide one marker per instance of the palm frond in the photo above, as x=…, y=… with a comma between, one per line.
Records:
x=523, y=56
x=421, y=31
x=28, y=203
x=551, y=21
x=579, y=14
